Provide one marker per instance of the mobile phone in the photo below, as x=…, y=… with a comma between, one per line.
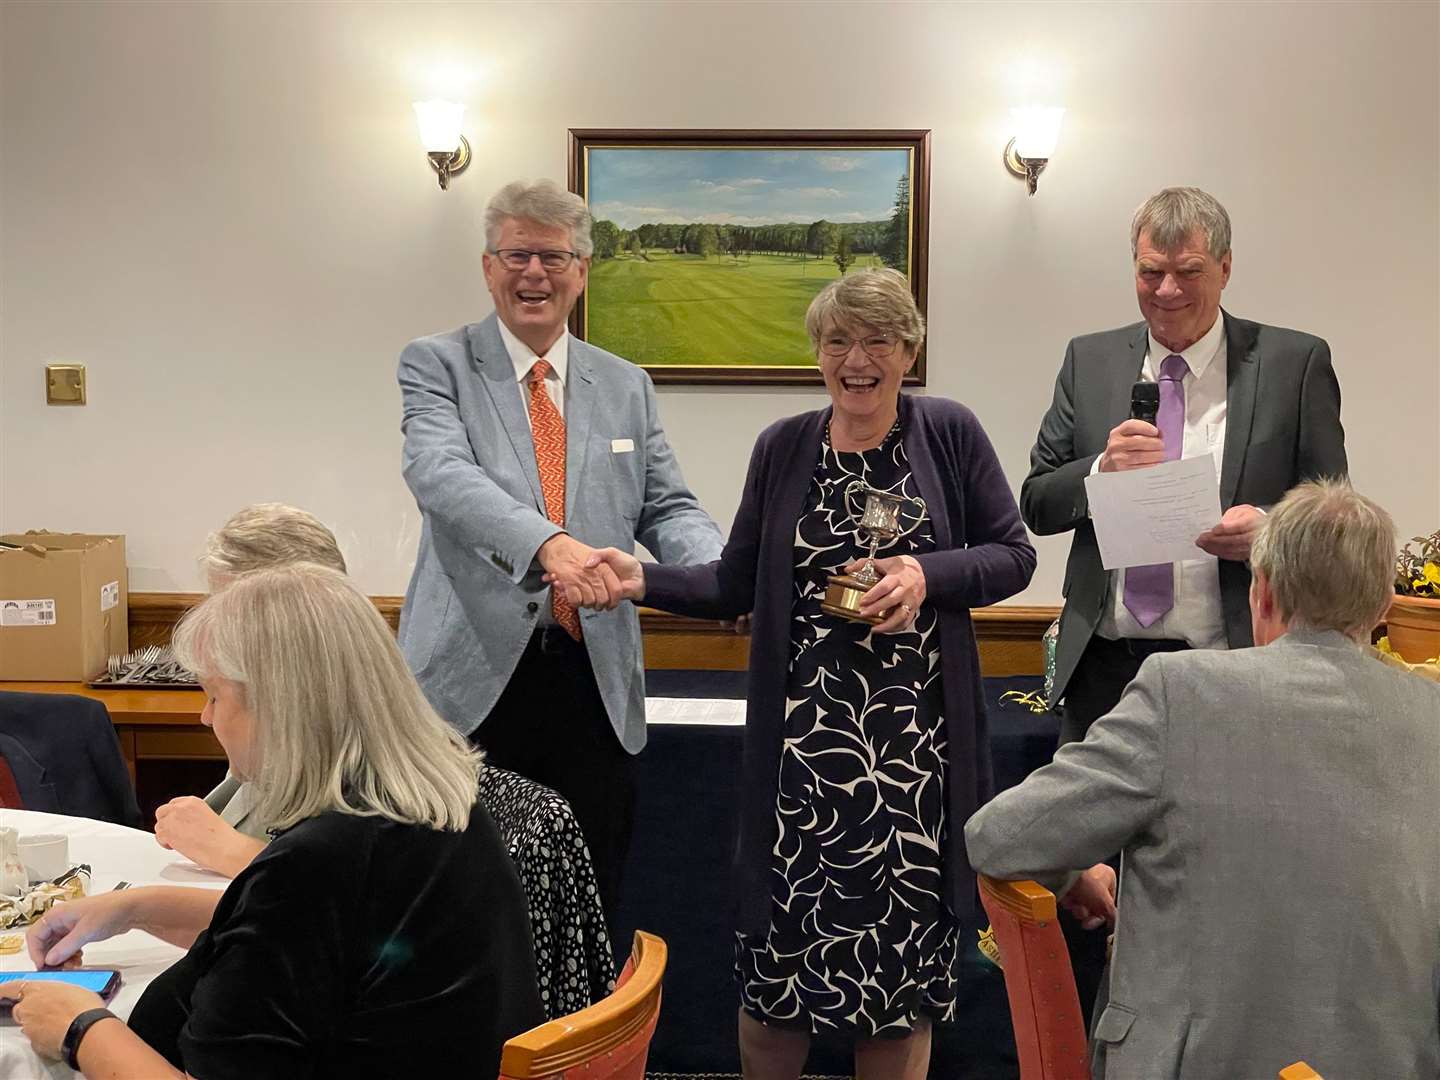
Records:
x=102, y=981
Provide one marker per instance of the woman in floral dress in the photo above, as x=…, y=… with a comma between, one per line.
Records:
x=865, y=745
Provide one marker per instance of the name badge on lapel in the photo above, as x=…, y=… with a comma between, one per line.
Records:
x=622, y=446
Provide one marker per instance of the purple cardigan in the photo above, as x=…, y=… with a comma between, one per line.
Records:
x=982, y=556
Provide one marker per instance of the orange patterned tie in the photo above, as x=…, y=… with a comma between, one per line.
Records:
x=547, y=427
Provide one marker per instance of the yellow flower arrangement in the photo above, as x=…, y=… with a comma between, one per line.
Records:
x=1418, y=573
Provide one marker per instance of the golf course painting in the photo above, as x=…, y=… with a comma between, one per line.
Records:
x=709, y=246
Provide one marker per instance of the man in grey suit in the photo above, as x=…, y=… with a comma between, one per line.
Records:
x=527, y=449
x=1262, y=400
x=1279, y=892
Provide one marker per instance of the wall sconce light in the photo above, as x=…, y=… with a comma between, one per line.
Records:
x=1036, y=130
x=446, y=148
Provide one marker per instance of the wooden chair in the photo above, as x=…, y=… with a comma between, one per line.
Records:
x=9, y=790
x=1299, y=1071
x=1044, y=1006
x=610, y=1040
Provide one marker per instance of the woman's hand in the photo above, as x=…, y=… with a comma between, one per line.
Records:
x=61, y=932
x=629, y=570
x=189, y=826
x=45, y=1011
x=897, y=596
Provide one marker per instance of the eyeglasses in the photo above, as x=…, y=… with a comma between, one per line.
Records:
x=877, y=345
x=519, y=259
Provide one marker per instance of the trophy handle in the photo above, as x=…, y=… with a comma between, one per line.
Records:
x=919, y=502
x=850, y=489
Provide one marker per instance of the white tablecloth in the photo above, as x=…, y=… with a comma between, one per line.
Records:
x=115, y=854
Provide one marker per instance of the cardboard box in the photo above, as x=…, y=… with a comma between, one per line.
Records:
x=64, y=605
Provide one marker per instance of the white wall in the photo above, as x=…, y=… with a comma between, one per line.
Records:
x=222, y=210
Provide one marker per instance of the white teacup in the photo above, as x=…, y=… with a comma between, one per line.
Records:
x=46, y=855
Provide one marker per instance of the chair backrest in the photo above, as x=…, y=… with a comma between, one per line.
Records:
x=1044, y=1005
x=1299, y=1071
x=610, y=1040
x=573, y=959
x=65, y=757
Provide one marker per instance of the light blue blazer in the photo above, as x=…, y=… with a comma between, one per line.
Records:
x=469, y=459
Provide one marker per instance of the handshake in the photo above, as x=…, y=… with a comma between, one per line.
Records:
x=591, y=577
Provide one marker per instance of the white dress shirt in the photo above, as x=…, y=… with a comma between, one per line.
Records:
x=523, y=357
x=1197, y=617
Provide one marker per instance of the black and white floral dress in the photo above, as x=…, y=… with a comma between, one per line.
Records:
x=860, y=941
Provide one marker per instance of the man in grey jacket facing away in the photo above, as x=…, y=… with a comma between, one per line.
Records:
x=1276, y=809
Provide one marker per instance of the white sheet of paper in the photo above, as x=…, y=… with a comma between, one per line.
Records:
x=1153, y=515
x=721, y=712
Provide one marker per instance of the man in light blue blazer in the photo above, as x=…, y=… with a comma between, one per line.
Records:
x=552, y=694
x=1279, y=891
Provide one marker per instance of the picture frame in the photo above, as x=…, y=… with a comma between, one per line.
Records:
x=710, y=244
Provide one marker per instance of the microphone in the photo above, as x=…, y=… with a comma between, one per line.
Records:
x=1145, y=401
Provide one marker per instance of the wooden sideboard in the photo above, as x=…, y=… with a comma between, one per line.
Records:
x=164, y=725
x=157, y=725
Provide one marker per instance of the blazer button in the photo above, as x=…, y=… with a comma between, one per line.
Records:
x=532, y=607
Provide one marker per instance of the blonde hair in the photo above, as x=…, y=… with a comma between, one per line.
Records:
x=1329, y=556
x=545, y=203
x=339, y=722
x=880, y=298
x=265, y=535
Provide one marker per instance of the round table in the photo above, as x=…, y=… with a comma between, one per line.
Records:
x=115, y=854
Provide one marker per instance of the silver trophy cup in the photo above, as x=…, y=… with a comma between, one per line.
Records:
x=880, y=525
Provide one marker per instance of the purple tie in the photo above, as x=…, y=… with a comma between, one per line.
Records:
x=1150, y=590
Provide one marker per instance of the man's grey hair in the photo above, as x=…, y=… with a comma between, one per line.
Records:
x=339, y=723
x=880, y=298
x=545, y=203
x=1329, y=556
x=1170, y=216
x=265, y=535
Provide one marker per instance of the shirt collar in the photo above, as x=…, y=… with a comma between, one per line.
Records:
x=523, y=357
x=1198, y=356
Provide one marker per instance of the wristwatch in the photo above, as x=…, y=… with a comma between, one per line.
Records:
x=70, y=1045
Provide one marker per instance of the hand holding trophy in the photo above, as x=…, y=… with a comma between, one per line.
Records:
x=880, y=523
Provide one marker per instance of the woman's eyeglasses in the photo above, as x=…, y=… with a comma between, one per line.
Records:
x=879, y=346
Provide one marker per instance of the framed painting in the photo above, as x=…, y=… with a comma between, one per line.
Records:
x=710, y=245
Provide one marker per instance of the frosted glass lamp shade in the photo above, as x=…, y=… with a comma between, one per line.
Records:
x=1037, y=129
x=439, y=125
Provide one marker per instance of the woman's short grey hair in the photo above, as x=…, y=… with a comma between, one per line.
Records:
x=265, y=535
x=545, y=203
x=880, y=298
x=1172, y=215
x=339, y=722
x=1329, y=556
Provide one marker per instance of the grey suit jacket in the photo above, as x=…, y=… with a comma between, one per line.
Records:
x=1282, y=426
x=1280, y=873
x=234, y=801
x=469, y=459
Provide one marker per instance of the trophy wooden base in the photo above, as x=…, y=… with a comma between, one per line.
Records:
x=842, y=599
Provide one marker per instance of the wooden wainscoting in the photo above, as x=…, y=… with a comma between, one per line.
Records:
x=1008, y=634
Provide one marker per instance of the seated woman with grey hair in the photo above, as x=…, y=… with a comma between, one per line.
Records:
x=865, y=746
x=382, y=933
x=222, y=832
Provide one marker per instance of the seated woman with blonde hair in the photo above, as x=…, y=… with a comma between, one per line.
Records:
x=382, y=933
x=222, y=832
